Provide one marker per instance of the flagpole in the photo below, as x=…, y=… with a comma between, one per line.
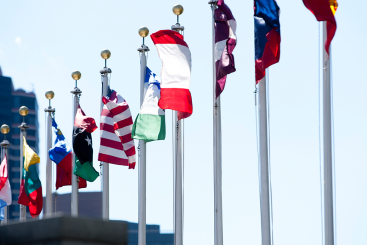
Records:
x=105, y=54
x=178, y=186
x=49, y=95
x=23, y=111
x=143, y=32
x=328, y=157
x=5, y=129
x=264, y=166
x=217, y=147
x=74, y=179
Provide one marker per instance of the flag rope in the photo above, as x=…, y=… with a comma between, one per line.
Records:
x=333, y=143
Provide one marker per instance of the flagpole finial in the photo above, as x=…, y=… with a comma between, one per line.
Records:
x=143, y=31
x=49, y=94
x=23, y=111
x=177, y=9
x=105, y=54
x=5, y=129
x=76, y=75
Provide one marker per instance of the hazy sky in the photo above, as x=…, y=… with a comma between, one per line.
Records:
x=42, y=42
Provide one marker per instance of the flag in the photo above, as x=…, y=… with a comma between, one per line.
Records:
x=176, y=72
x=225, y=42
x=30, y=157
x=324, y=10
x=62, y=155
x=117, y=146
x=5, y=191
x=83, y=148
x=267, y=36
x=150, y=123
x=31, y=188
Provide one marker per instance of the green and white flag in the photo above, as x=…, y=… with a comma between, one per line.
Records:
x=150, y=124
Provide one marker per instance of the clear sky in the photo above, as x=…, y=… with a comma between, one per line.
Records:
x=42, y=42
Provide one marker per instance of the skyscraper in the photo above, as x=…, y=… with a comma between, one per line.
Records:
x=10, y=102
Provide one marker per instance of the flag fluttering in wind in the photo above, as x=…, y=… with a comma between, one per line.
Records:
x=225, y=42
x=30, y=157
x=324, y=10
x=62, y=155
x=83, y=148
x=176, y=72
x=267, y=36
x=150, y=123
x=117, y=146
x=5, y=191
x=31, y=188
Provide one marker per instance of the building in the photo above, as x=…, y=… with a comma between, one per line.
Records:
x=90, y=205
x=10, y=102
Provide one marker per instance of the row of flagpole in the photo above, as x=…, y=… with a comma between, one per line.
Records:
x=264, y=165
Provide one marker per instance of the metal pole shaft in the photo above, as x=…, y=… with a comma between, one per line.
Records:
x=178, y=183
x=74, y=178
x=328, y=161
x=264, y=166
x=48, y=210
x=217, y=151
x=105, y=166
x=142, y=162
x=22, y=208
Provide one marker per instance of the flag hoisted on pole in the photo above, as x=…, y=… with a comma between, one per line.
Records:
x=49, y=95
x=74, y=179
x=61, y=154
x=5, y=190
x=267, y=53
x=105, y=54
x=324, y=10
x=142, y=209
x=223, y=43
x=23, y=111
x=175, y=95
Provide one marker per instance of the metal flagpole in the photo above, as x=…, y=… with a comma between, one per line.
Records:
x=143, y=32
x=178, y=186
x=264, y=165
x=4, y=144
x=217, y=147
x=105, y=54
x=49, y=95
x=74, y=179
x=328, y=160
x=23, y=111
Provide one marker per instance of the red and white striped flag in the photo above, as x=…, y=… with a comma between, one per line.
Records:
x=116, y=147
x=176, y=72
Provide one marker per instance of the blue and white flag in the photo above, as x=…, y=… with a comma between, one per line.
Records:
x=150, y=123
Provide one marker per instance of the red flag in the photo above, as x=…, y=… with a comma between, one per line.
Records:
x=324, y=10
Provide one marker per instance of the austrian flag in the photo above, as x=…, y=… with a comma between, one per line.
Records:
x=176, y=72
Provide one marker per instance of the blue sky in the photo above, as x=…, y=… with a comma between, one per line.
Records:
x=42, y=42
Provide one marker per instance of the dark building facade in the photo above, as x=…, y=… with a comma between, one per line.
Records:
x=10, y=102
x=90, y=205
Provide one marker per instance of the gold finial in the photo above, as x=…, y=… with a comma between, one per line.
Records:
x=5, y=129
x=76, y=75
x=105, y=54
x=143, y=31
x=177, y=9
x=23, y=111
x=49, y=94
